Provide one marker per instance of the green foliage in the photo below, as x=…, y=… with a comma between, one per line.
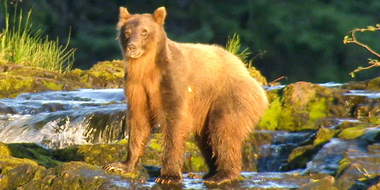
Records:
x=19, y=45
x=352, y=39
x=234, y=45
x=302, y=38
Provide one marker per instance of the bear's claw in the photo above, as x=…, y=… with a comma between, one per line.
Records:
x=116, y=167
x=168, y=180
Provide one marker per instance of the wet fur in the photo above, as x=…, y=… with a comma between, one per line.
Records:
x=187, y=89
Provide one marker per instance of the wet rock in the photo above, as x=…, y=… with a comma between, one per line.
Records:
x=320, y=184
x=33, y=152
x=300, y=156
x=21, y=175
x=252, y=146
x=273, y=156
x=353, y=132
x=20, y=79
x=107, y=74
x=360, y=163
x=99, y=155
x=327, y=160
x=301, y=106
x=372, y=84
x=4, y=109
x=324, y=135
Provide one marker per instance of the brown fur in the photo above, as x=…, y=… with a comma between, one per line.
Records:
x=186, y=88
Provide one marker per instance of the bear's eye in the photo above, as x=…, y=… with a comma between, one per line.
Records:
x=144, y=33
x=127, y=34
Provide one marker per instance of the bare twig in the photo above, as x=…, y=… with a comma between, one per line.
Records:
x=273, y=83
x=352, y=39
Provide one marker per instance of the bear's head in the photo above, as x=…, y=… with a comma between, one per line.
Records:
x=139, y=34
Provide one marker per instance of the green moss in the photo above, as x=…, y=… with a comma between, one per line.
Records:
x=68, y=154
x=317, y=110
x=373, y=84
x=353, y=132
x=270, y=119
x=256, y=74
x=300, y=156
x=20, y=175
x=52, y=84
x=123, y=142
x=343, y=164
x=374, y=120
x=8, y=163
x=156, y=142
x=324, y=135
x=108, y=70
x=101, y=155
x=11, y=86
x=4, y=150
x=299, y=106
x=33, y=152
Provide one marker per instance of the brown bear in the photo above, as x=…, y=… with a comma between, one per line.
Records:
x=186, y=89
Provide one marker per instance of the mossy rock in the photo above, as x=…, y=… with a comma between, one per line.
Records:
x=300, y=106
x=8, y=163
x=300, y=156
x=33, y=152
x=4, y=150
x=17, y=79
x=372, y=84
x=353, y=132
x=324, y=135
x=20, y=175
x=256, y=74
x=320, y=184
x=70, y=175
x=107, y=74
x=99, y=155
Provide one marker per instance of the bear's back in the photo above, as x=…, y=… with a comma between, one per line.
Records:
x=214, y=67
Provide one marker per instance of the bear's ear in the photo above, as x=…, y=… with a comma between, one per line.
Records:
x=160, y=15
x=124, y=14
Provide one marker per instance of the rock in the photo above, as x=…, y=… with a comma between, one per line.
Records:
x=327, y=160
x=300, y=156
x=320, y=184
x=20, y=79
x=33, y=152
x=300, y=106
x=372, y=84
x=324, y=135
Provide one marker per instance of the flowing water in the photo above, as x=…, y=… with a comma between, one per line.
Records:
x=59, y=119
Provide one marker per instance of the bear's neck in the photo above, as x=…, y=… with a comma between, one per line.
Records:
x=151, y=64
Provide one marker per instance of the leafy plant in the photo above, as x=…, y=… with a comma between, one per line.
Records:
x=19, y=45
x=234, y=45
x=351, y=38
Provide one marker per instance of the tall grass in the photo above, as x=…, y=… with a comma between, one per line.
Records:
x=234, y=44
x=20, y=45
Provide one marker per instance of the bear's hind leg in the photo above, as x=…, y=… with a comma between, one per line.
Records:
x=203, y=141
x=227, y=134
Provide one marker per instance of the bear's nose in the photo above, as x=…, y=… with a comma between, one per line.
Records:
x=131, y=48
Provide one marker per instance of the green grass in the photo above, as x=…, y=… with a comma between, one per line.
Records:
x=234, y=44
x=20, y=45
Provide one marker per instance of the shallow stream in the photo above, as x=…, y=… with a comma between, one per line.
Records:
x=59, y=119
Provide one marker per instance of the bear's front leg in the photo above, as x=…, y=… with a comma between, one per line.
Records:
x=139, y=129
x=175, y=132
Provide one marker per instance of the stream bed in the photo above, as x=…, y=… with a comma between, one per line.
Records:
x=60, y=119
